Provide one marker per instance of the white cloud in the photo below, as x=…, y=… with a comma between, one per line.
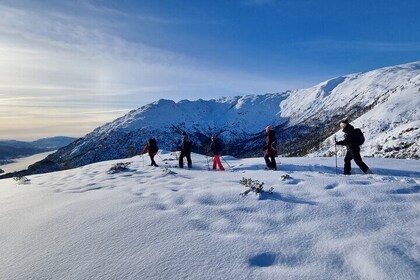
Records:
x=51, y=63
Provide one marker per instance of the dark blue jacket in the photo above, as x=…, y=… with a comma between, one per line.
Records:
x=216, y=147
x=186, y=144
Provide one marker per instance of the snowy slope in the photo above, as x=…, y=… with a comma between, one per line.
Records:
x=145, y=223
x=392, y=127
x=385, y=102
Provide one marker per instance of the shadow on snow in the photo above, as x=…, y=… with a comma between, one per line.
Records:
x=284, y=198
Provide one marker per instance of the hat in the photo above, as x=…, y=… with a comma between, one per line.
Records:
x=268, y=128
x=344, y=123
x=184, y=133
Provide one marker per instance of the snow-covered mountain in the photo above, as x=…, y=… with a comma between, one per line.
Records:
x=384, y=103
x=392, y=125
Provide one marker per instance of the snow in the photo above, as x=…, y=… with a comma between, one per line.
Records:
x=146, y=223
x=391, y=129
x=245, y=114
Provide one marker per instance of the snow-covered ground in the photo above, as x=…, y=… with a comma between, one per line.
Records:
x=23, y=163
x=147, y=223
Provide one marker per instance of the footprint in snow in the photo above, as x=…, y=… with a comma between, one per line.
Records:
x=198, y=224
x=262, y=260
x=412, y=190
x=294, y=181
x=360, y=182
x=160, y=206
x=331, y=186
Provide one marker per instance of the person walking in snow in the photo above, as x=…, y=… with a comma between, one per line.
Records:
x=269, y=148
x=152, y=148
x=216, y=148
x=185, y=151
x=353, y=148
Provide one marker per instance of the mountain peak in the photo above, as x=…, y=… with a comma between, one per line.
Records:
x=385, y=98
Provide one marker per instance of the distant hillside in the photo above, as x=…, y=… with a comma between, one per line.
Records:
x=10, y=149
x=53, y=143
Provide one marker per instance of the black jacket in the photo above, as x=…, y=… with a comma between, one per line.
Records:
x=349, y=139
x=216, y=147
x=186, y=144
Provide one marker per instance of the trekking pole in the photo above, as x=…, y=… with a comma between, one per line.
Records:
x=208, y=166
x=335, y=147
x=176, y=155
x=161, y=159
x=226, y=162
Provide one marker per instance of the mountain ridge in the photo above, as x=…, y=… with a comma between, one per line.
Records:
x=10, y=149
x=304, y=120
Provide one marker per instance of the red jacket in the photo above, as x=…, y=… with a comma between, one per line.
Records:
x=146, y=149
x=270, y=140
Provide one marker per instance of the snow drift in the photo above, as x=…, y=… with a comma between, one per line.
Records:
x=171, y=223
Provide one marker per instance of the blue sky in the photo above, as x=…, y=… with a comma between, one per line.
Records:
x=70, y=66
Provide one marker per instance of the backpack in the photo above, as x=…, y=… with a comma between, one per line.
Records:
x=359, y=138
x=153, y=147
x=217, y=145
x=273, y=146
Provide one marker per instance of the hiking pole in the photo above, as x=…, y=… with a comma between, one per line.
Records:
x=226, y=162
x=175, y=154
x=161, y=159
x=335, y=147
x=208, y=166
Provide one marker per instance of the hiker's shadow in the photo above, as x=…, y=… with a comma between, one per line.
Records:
x=355, y=170
x=395, y=172
x=286, y=198
x=312, y=168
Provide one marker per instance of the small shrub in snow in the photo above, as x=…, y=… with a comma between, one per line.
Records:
x=119, y=167
x=22, y=180
x=253, y=186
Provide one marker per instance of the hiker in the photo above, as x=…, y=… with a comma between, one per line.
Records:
x=152, y=148
x=185, y=151
x=352, y=141
x=216, y=149
x=270, y=150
